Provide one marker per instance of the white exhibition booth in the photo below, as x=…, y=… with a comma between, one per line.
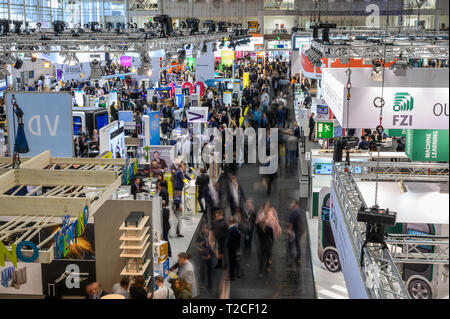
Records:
x=421, y=204
x=419, y=100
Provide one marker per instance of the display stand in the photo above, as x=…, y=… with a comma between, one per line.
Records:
x=134, y=248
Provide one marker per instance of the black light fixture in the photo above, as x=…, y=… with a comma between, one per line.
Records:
x=18, y=64
x=204, y=47
x=376, y=219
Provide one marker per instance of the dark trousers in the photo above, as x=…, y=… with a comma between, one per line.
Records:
x=201, y=196
x=264, y=254
x=248, y=240
x=232, y=261
x=166, y=238
x=295, y=243
x=311, y=131
x=206, y=271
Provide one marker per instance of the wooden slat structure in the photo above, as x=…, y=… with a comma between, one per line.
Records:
x=57, y=186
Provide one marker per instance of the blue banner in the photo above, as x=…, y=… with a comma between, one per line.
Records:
x=47, y=122
x=155, y=138
x=179, y=100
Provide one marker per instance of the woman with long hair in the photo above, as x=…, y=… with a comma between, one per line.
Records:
x=182, y=289
x=267, y=229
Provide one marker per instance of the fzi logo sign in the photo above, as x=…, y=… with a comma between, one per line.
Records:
x=403, y=102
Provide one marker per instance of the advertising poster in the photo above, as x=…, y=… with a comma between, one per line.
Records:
x=163, y=155
x=112, y=139
x=79, y=98
x=79, y=72
x=349, y=261
x=227, y=57
x=47, y=122
x=26, y=279
x=180, y=99
x=246, y=79
x=112, y=98
x=155, y=128
x=427, y=145
x=227, y=98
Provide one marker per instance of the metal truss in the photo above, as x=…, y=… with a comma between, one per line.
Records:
x=406, y=249
x=99, y=42
x=364, y=50
x=404, y=171
x=383, y=281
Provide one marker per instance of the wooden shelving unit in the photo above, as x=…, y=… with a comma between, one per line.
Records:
x=135, y=244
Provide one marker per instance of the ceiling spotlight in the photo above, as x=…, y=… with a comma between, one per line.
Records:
x=377, y=71
x=47, y=65
x=33, y=57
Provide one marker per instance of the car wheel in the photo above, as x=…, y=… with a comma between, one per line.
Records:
x=419, y=289
x=331, y=261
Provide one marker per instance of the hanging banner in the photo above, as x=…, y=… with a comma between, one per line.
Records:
x=227, y=58
x=204, y=65
x=78, y=72
x=245, y=79
x=417, y=101
x=427, y=145
x=155, y=128
x=180, y=100
x=227, y=98
x=47, y=122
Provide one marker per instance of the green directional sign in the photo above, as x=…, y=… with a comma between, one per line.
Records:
x=324, y=130
x=427, y=145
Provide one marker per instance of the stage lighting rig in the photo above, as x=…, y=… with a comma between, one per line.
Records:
x=59, y=26
x=375, y=219
x=193, y=25
x=400, y=67
x=211, y=26
x=222, y=26
x=17, y=26
x=165, y=24
x=347, y=143
x=181, y=55
x=4, y=26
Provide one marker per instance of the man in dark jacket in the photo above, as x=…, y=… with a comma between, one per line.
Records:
x=233, y=245
x=162, y=191
x=312, y=124
x=220, y=233
x=202, y=182
x=137, y=186
x=166, y=224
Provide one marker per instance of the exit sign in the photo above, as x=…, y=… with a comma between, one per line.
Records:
x=324, y=130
